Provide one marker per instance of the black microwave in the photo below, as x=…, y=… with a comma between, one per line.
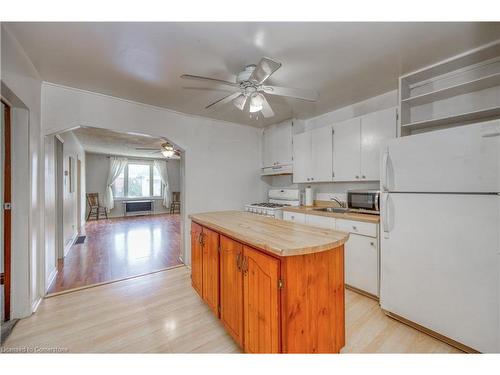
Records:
x=367, y=201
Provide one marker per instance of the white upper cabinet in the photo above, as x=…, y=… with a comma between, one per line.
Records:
x=301, y=157
x=312, y=160
x=357, y=142
x=375, y=127
x=347, y=150
x=321, y=154
x=277, y=144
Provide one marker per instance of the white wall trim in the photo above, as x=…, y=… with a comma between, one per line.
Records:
x=35, y=305
x=68, y=246
x=51, y=279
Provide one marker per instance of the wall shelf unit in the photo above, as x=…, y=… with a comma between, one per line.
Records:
x=456, y=91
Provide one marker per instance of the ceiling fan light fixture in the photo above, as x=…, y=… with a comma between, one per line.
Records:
x=256, y=103
x=239, y=101
x=168, y=153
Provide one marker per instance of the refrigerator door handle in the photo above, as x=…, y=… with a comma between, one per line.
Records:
x=385, y=224
x=385, y=160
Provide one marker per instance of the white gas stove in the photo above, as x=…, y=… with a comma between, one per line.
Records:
x=278, y=198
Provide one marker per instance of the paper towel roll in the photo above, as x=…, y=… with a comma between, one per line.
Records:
x=309, y=196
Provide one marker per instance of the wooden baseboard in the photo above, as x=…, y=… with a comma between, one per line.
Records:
x=359, y=291
x=110, y=282
x=438, y=336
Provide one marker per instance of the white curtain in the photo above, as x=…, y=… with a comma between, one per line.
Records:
x=116, y=167
x=161, y=167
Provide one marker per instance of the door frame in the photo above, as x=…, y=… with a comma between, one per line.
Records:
x=59, y=196
x=7, y=215
x=78, y=182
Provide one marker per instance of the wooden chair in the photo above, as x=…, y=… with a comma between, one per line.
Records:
x=175, y=205
x=95, y=209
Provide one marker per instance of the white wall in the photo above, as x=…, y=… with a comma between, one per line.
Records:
x=21, y=85
x=71, y=148
x=221, y=160
x=97, y=166
x=377, y=103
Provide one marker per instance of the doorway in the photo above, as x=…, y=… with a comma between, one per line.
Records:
x=136, y=232
x=5, y=218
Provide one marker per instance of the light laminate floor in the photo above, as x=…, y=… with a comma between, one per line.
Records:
x=161, y=313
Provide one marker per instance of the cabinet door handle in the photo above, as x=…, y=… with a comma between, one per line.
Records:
x=244, y=264
x=238, y=261
x=357, y=176
x=363, y=176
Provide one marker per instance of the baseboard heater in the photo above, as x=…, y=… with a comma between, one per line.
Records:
x=138, y=207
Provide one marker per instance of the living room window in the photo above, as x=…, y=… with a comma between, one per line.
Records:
x=139, y=179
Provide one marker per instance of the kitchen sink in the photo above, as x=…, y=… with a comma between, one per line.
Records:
x=332, y=209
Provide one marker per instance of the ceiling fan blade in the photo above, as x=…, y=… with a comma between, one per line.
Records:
x=240, y=102
x=266, y=110
x=210, y=80
x=224, y=100
x=264, y=69
x=303, y=94
x=146, y=148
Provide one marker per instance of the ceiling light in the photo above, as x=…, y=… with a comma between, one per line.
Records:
x=240, y=101
x=168, y=153
x=256, y=103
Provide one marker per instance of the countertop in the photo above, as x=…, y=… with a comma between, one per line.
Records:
x=279, y=237
x=311, y=210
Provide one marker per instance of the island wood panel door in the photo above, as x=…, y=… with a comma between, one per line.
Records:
x=231, y=288
x=313, y=305
x=211, y=269
x=261, y=302
x=196, y=257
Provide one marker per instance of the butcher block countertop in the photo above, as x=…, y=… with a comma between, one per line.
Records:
x=312, y=210
x=279, y=237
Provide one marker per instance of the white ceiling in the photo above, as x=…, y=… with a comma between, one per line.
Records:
x=102, y=141
x=344, y=62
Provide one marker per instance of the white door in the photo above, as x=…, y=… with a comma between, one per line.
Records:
x=321, y=221
x=440, y=264
x=321, y=154
x=346, y=150
x=361, y=263
x=460, y=159
x=375, y=127
x=301, y=157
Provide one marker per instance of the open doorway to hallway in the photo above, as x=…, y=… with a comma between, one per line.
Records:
x=117, y=207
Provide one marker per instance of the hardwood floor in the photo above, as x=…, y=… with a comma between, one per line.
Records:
x=118, y=248
x=161, y=313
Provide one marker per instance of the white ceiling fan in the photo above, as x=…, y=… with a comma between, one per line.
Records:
x=166, y=149
x=250, y=88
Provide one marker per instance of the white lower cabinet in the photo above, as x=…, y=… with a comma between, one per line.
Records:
x=320, y=221
x=295, y=217
x=361, y=251
x=361, y=263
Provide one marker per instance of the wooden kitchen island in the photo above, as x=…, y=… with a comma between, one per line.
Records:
x=276, y=286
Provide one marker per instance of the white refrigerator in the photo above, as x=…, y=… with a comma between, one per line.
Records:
x=440, y=232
